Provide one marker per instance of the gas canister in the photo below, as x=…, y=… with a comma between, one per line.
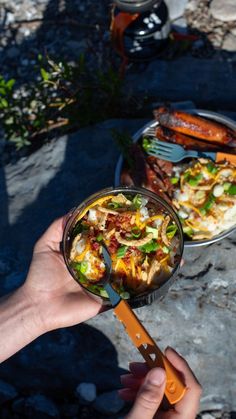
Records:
x=140, y=29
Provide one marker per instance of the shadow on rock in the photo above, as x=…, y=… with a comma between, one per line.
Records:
x=57, y=362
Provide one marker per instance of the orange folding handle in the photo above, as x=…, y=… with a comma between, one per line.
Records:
x=226, y=156
x=175, y=389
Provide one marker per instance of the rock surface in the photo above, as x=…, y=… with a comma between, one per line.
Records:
x=86, y=392
x=42, y=405
x=176, y=8
x=229, y=42
x=7, y=392
x=225, y=11
x=109, y=403
x=202, y=80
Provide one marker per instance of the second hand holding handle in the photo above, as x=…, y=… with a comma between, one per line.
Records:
x=153, y=356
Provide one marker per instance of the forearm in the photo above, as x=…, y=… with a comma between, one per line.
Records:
x=19, y=324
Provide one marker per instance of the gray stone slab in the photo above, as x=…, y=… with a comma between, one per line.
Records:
x=208, y=82
x=176, y=8
x=225, y=11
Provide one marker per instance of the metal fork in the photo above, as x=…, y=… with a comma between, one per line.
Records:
x=174, y=152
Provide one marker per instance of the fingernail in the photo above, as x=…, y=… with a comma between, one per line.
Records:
x=173, y=350
x=156, y=376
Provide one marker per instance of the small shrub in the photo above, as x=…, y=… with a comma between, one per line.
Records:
x=66, y=97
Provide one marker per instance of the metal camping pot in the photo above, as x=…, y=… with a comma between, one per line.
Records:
x=150, y=295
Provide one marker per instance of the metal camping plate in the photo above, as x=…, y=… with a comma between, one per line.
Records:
x=210, y=115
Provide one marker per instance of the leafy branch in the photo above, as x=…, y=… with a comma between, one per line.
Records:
x=66, y=97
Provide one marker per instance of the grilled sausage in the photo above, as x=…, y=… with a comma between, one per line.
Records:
x=166, y=134
x=196, y=126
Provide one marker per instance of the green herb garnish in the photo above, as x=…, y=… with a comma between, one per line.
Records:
x=80, y=267
x=171, y=230
x=212, y=168
x=114, y=205
x=99, y=237
x=149, y=247
x=226, y=186
x=79, y=227
x=76, y=266
x=188, y=230
x=121, y=252
x=186, y=175
x=83, y=267
x=95, y=288
x=232, y=190
x=137, y=201
x=208, y=204
x=165, y=249
x=174, y=180
x=82, y=278
x=146, y=144
x=125, y=295
x=152, y=230
x=103, y=293
x=136, y=232
x=194, y=180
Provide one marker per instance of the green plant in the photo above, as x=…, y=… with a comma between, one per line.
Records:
x=21, y=113
x=66, y=97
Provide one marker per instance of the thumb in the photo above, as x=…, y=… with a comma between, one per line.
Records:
x=149, y=396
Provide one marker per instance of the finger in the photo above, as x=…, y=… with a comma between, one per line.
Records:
x=66, y=217
x=188, y=407
x=149, y=396
x=67, y=313
x=52, y=236
x=139, y=369
x=128, y=380
x=127, y=394
x=181, y=365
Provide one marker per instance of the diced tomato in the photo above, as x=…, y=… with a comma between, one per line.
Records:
x=160, y=253
x=113, y=246
x=95, y=245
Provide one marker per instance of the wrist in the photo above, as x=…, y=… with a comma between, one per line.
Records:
x=33, y=319
x=19, y=323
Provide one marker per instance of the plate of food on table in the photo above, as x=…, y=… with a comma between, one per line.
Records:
x=189, y=159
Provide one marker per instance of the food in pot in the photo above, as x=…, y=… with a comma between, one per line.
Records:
x=167, y=179
x=205, y=197
x=142, y=239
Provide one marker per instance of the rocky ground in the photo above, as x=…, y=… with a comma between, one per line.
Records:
x=203, y=300
x=66, y=28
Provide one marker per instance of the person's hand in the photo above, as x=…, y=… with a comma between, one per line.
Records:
x=60, y=301
x=49, y=299
x=146, y=388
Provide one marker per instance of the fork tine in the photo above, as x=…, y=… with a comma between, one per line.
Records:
x=160, y=153
x=150, y=131
x=160, y=150
x=159, y=144
x=167, y=157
